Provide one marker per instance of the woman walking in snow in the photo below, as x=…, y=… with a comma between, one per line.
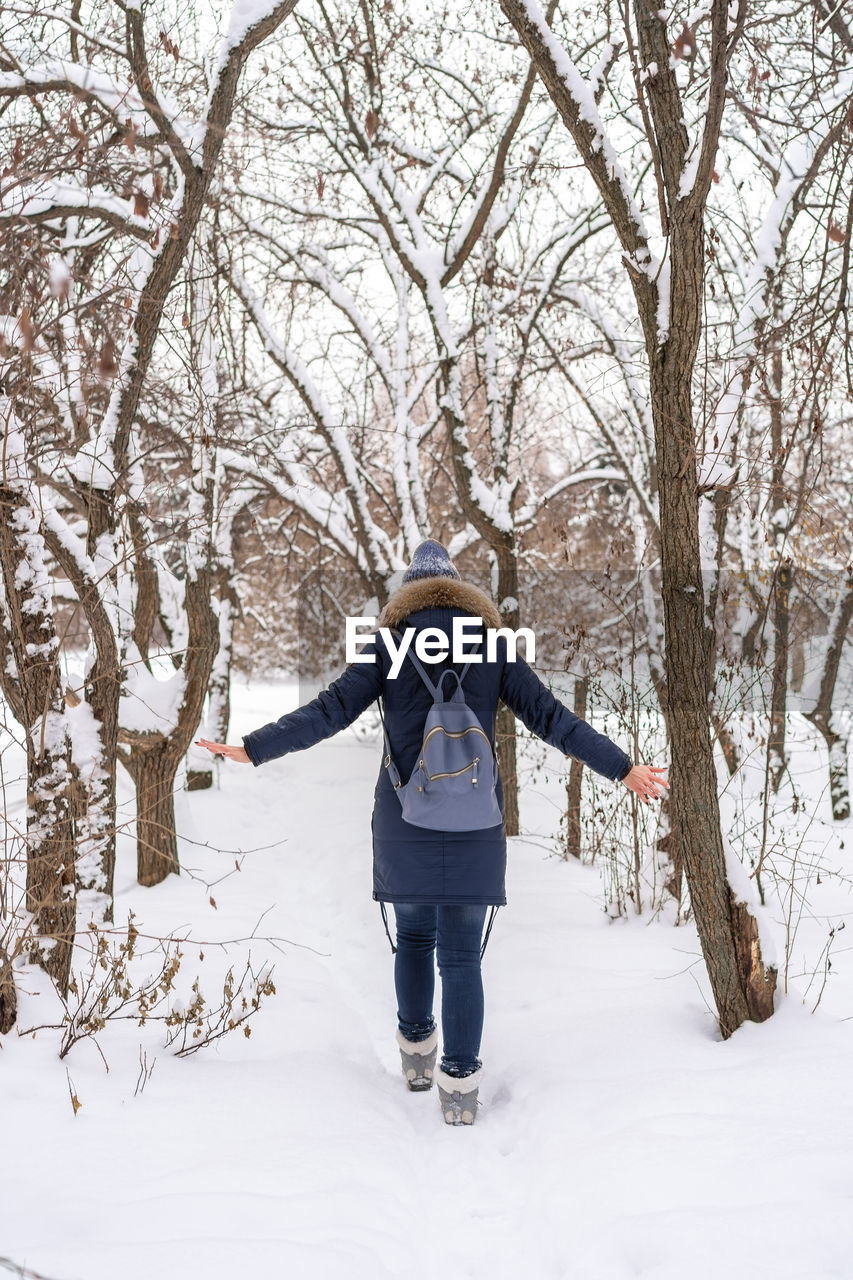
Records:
x=440, y=883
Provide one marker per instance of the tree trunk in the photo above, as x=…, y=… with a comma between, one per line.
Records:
x=575, y=779
x=95, y=807
x=8, y=995
x=743, y=987
x=97, y=824
x=779, y=693
x=783, y=573
x=506, y=741
x=40, y=701
x=837, y=746
x=839, y=784
x=729, y=747
x=219, y=688
x=199, y=771
x=154, y=758
x=505, y=730
x=821, y=715
x=154, y=771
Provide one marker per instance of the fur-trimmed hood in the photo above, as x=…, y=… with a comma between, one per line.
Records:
x=438, y=593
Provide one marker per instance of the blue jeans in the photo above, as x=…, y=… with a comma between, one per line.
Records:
x=453, y=934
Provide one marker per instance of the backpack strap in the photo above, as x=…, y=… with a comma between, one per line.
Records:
x=393, y=771
x=437, y=689
x=419, y=668
x=434, y=689
x=457, y=695
x=492, y=914
x=387, y=930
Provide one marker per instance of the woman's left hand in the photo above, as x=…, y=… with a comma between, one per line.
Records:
x=643, y=782
x=237, y=754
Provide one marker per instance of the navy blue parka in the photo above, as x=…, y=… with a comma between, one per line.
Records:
x=413, y=864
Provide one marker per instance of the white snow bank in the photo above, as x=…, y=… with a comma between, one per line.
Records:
x=618, y=1136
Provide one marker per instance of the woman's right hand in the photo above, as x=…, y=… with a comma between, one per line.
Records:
x=642, y=781
x=237, y=754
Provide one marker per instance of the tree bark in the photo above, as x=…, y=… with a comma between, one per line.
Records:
x=743, y=988
x=40, y=699
x=575, y=779
x=506, y=737
x=821, y=714
x=95, y=809
x=154, y=770
x=219, y=686
x=154, y=758
x=782, y=583
x=8, y=995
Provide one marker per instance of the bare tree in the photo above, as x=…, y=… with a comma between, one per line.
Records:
x=31, y=682
x=119, y=209
x=405, y=239
x=668, y=294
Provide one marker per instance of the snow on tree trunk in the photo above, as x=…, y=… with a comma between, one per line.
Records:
x=34, y=645
x=161, y=722
x=93, y=724
x=839, y=782
x=823, y=715
x=218, y=718
x=218, y=508
x=219, y=712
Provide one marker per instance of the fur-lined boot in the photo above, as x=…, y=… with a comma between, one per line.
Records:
x=418, y=1058
x=458, y=1096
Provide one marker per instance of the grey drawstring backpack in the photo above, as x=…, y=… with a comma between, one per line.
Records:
x=453, y=784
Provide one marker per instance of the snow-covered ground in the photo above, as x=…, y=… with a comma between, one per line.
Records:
x=618, y=1137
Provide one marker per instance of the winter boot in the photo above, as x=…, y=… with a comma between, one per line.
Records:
x=418, y=1060
x=458, y=1096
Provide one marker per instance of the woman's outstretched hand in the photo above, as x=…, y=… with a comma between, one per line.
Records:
x=643, y=782
x=222, y=749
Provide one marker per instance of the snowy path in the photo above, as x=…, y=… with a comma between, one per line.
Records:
x=618, y=1137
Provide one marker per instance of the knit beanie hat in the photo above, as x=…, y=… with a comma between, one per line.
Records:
x=430, y=561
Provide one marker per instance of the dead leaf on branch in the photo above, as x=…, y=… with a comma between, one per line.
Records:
x=25, y=324
x=140, y=204
x=107, y=365
x=75, y=1101
x=835, y=233
x=169, y=45
x=17, y=157
x=685, y=44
